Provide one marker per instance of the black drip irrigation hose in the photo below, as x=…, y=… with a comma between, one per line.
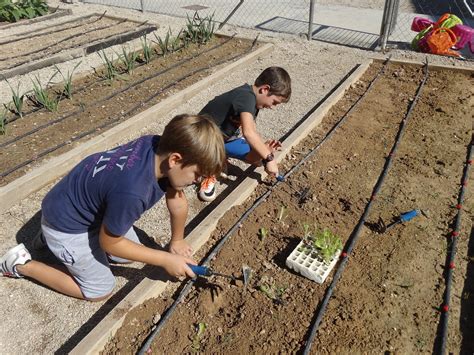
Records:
x=54, y=44
x=451, y=254
x=113, y=120
x=187, y=288
x=112, y=95
x=36, y=109
x=356, y=233
x=86, y=22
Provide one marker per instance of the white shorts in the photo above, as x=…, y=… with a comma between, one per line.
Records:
x=84, y=258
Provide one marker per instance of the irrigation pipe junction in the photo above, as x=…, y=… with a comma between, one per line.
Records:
x=319, y=313
x=119, y=117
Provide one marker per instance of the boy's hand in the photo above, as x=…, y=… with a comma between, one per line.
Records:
x=180, y=247
x=271, y=168
x=177, y=266
x=273, y=144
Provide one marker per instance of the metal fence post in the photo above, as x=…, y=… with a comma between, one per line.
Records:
x=385, y=27
x=310, y=20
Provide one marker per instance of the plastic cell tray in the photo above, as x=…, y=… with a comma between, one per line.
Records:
x=310, y=264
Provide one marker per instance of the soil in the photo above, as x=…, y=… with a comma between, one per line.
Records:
x=389, y=296
x=98, y=104
x=59, y=38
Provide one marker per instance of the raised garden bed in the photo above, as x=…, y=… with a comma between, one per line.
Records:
x=53, y=13
x=69, y=39
x=98, y=104
x=390, y=294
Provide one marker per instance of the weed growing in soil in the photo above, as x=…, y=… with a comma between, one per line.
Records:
x=326, y=243
x=201, y=327
x=17, y=99
x=41, y=97
x=67, y=88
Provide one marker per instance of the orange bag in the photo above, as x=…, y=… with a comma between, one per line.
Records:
x=441, y=40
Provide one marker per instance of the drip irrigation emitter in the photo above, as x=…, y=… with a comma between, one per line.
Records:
x=356, y=233
x=451, y=253
x=112, y=95
x=280, y=179
x=120, y=116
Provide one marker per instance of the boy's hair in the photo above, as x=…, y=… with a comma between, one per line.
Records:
x=199, y=141
x=279, y=81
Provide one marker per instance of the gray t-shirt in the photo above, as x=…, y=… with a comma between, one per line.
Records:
x=225, y=109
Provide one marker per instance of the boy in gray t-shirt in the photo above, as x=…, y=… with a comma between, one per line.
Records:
x=235, y=112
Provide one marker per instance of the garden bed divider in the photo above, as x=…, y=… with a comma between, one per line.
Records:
x=142, y=29
x=95, y=341
x=54, y=168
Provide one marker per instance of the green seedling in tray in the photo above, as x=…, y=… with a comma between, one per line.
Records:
x=326, y=243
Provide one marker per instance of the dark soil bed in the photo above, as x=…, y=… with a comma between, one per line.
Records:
x=389, y=296
x=99, y=104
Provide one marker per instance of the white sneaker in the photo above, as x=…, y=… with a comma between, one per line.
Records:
x=207, y=191
x=18, y=255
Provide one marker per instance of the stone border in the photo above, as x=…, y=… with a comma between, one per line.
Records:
x=70, y=54
x=20, y=188
x=97, y=339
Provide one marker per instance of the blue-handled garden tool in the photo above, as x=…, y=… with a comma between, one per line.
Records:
x=206, y=272
x=404, y=217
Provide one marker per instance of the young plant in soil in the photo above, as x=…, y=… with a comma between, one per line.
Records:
x=282, y=213
x=128, y=59
x=262, y=234
x=199, y=30
x=270, y=289
x=324, y=242
x=196, y=346
x=146, y=50
x=17, y=99
x=67, y=86
x=41, y=97
x=111, y=69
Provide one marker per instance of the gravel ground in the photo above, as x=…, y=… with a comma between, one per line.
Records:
x=38, y=320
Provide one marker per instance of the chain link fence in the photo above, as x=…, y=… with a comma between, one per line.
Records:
x=364, y=24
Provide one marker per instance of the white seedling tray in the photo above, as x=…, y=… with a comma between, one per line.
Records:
x=309, y=264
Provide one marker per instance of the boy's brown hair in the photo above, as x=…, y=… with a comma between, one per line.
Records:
x=199, y=141
x=279, y=81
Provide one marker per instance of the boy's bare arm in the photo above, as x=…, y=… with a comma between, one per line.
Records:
x=175, y=265
x=249, y=131
x=178, y=207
